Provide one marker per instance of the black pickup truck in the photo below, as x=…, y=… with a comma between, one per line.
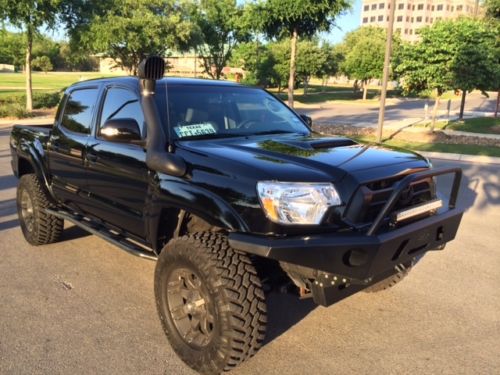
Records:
x=232, y=194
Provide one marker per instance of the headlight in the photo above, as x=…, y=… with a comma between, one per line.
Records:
x=296, y=203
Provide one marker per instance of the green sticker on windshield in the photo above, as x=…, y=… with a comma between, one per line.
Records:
x=195, y=130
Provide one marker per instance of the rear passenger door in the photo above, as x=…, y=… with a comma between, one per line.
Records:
x=68, y=143
x=117, y=173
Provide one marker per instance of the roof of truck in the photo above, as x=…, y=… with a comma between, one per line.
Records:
x=168, y=80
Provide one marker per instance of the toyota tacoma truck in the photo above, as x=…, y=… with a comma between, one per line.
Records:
x=232, y=194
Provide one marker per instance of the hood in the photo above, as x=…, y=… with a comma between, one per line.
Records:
x=291, y=157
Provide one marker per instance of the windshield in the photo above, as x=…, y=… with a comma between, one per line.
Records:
x=198, y=111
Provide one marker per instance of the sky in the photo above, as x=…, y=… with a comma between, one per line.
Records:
x=345, y=23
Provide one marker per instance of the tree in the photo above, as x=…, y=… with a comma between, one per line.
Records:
x=363, y=55
x=331, y=64
x=43, y=63
x=311, y=59
x=294, y=19
x=257, y=60
x=134, y=29
x=450, y=55
x=29, y=16
x=11, y=48
x=222, y=26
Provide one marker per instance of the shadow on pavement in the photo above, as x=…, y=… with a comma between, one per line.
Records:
x=283, y=312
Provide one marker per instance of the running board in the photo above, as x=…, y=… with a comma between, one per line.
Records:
x=105, y=234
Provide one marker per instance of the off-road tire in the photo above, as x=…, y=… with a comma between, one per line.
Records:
x=390, y=281
x=233, y=293
x=43, y=227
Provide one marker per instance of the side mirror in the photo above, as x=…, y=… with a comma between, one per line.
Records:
x=121, y=130
x=307, y=120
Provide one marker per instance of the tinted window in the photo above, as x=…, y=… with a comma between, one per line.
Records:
x=228, y=111
x=122, y=103
x=78, y=111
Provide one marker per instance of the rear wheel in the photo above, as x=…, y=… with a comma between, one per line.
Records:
x=38, y=227
x=210, y=302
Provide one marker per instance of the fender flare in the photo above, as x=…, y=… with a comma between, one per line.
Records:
x=177, y=194
x=34, y=154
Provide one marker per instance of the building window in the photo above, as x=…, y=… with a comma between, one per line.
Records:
x=428, y=6
x=407, y=18
x=365, y=19
x=401, y=6
x=459, y=8
x=447, y=7
x=398, y=30
x=413, y=7
x=438, y=18
x=409, y=7
x=372, y=19
x=411, y=32
x=381, y=6
x=419, y=19
x=380, y=18
x=420, y=6
x=406, y=31
x=452, y=8
x=433, y=8
x=412, y=19
x=366, y=8
x=374, y=6
x=440, y=7
x=399, y=19
x=432, y=19
x=426, y=19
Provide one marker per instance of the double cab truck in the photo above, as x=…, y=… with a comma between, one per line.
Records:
x=233, y=195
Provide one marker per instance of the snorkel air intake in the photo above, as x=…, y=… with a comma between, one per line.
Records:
x=158, y=158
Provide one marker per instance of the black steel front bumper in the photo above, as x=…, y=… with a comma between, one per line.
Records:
x=360, y=259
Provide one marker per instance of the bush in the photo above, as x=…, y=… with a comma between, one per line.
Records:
x=15, y=105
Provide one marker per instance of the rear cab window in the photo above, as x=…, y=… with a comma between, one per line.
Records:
x=78, y=110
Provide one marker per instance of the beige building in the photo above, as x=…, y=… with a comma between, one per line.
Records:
x=412, y=15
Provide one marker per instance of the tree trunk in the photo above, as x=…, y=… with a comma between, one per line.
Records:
x=306, y=85
x=462, y=105
x=293, y=67
x=498, y=104
x=435, y=110
x=365, y=90
x=29, y=86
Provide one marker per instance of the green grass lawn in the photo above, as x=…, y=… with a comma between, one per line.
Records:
x=49, y=81
x=484, y=125
x=438, y=147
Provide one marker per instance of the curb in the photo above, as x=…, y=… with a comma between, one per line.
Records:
x=478, y=159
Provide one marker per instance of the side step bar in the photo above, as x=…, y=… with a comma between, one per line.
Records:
x=105, y=234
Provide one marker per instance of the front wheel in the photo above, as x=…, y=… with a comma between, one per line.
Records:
x=210, y=302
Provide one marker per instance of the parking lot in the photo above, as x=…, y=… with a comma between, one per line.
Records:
x=82, y=306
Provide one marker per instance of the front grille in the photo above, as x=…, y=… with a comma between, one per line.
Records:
x=370, y=198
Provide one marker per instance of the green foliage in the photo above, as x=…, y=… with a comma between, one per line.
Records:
x=492, y=8
x=457, y=54
x=132, y=29
x=13, y=105
x=258, y=61
x=12, y=47
x=279, y=18
x=42, y=63
x=363, y=53
x=222, y=24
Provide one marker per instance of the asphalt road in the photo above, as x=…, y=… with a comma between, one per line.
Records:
x=82, y=306
x=408, y=110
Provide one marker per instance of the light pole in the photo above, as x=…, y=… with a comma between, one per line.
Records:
x=387, y=67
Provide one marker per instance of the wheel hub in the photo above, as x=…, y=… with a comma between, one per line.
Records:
x=27, y=212
x=190, y=307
